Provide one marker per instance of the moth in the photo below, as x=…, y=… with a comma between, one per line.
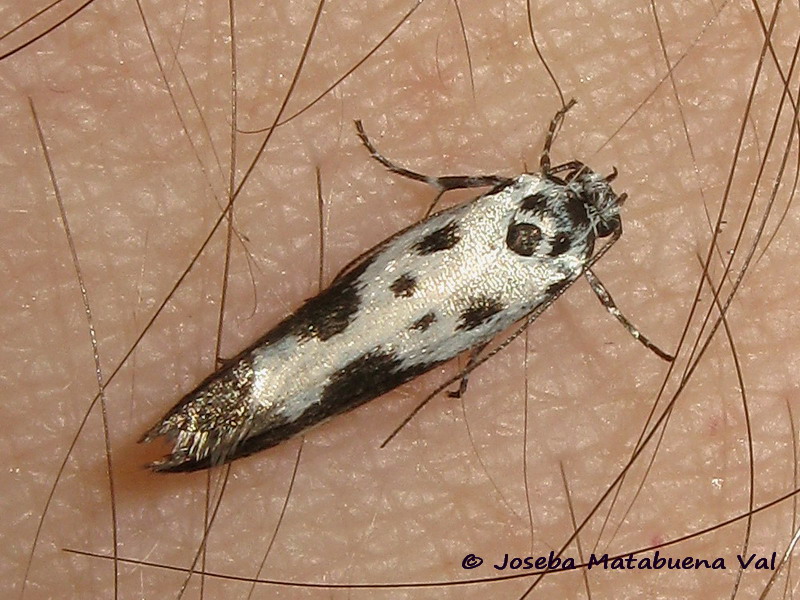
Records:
x=441, y=287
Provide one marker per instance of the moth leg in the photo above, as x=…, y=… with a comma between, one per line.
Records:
x=544, y=160
x=607, y=301
x=462, y=386
x=443, y=184
x=572, y=168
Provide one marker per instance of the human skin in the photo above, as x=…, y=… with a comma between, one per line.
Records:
x=545, y=426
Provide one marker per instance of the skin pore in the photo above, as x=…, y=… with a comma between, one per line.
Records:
x=545, y=426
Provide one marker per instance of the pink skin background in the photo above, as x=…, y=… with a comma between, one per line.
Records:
x=544, y=428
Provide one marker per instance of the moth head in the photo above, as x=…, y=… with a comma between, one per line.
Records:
x=601, y=202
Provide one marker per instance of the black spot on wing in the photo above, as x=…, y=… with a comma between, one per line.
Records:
x=443, y=238
x=404, y=286
x=367, y=377
x=576, y=210
x=560, y=244
x=479, y=312
x=534, y=203
x=523, y=238
x=424, y=322
x=327, y=314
